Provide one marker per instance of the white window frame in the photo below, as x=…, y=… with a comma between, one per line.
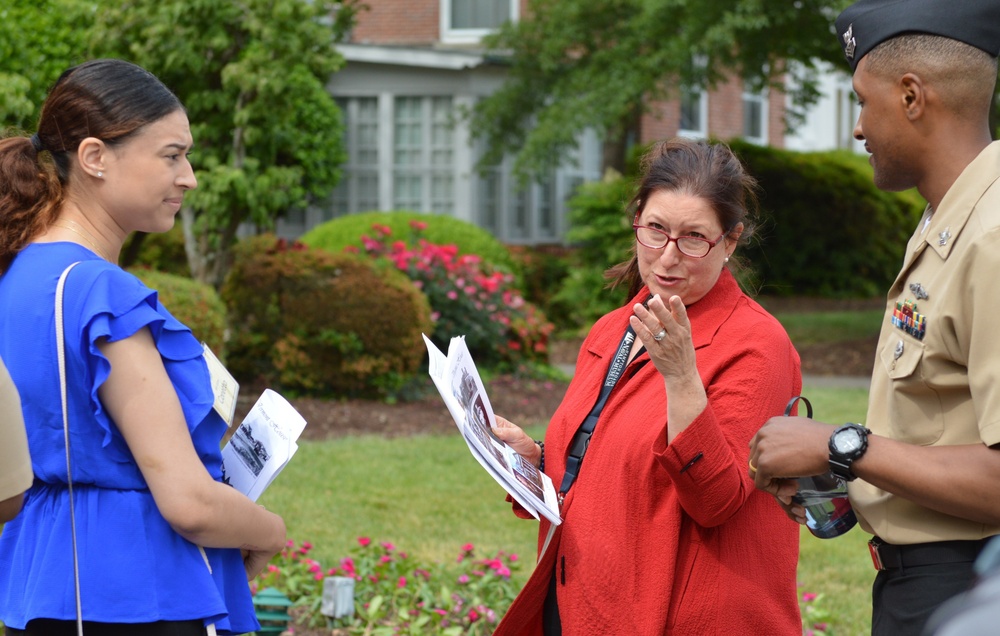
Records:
x=468, y=36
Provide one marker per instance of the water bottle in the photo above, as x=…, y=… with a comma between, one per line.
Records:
x=828, y=510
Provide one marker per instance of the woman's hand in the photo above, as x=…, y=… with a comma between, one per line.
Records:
x=254, y=561
x=674, y=357
x=673, y=354
x=517, y=439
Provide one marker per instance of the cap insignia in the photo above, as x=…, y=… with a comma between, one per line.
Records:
x=849, y=43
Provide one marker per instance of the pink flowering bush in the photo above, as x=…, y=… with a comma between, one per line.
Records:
x=466, y=297
x=395, y=593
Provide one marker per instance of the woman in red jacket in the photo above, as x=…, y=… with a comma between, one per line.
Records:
x=663, y=530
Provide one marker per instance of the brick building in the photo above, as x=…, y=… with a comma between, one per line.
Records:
x=414, y=65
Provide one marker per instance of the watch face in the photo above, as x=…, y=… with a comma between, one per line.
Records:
x=847, y=441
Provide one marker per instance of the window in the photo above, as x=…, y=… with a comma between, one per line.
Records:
x=694, y=113
x=359, y=184
x=423, y=176
x=754, y=113
x=467, y=21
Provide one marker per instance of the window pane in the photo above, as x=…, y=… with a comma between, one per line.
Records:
x=489, y=201
x=479, y=14
x=690, y=109
x=753, y=118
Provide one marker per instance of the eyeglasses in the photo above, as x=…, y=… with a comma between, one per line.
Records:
x=693, y=246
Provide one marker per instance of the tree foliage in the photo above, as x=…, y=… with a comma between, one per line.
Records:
x=577, y=64
x=39, y=39
x=252, y=75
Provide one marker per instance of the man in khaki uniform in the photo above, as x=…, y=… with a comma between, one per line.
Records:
x=928, y=463
x=15, y=464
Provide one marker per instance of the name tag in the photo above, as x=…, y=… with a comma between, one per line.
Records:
x=224, y=386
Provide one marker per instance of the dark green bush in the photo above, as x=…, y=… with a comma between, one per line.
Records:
x=602, y=236
x=825, y=229
x=311, y=322
x=543, y=270
x=163, y=252
x=195, y=304
x=335, y=235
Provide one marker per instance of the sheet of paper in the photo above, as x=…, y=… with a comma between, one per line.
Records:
x=263, y=445
x=462, y=390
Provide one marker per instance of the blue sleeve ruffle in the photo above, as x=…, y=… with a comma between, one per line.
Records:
x=116, y=306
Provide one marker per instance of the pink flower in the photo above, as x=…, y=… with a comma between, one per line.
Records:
x=401, y=582
x=385, y=558
x=809, y=597
x=440, y=612
x=468, y=547
x=452, y=295
x=388, y=546
x=462, y=580
x=513, y=557
x=318, y=576
x=820, y=626
x=419, y=226
x=473, y=615
x=364, y=541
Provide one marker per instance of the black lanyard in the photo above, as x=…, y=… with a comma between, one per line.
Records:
x=581, y=440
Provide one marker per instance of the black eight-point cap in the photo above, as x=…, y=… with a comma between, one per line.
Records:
x=867, y=23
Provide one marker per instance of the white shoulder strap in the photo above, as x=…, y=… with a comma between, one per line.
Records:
x=61, y=351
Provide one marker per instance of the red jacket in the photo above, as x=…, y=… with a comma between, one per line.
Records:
x=660, y=539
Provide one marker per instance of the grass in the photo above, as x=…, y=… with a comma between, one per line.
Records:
x=830, y=326
x=429, y=497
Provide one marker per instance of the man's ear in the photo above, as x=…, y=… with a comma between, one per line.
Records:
x=92, y=154
x=913, y=94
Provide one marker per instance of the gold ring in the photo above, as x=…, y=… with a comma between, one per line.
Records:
x=753, y=469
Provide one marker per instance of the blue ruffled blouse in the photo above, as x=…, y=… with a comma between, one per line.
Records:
x=133, y=567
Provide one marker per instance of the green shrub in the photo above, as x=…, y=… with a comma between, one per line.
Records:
x=163, y=252
x=335, y=235
x=317, y=323
x=825, y=229
x=195, y=304
x=602, y=236
x=544, y=268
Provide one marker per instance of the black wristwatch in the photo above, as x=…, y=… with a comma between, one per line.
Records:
x=847, y=445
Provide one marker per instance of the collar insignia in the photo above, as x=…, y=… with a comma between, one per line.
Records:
x=943, y=237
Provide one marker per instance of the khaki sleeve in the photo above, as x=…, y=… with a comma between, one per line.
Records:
x=15, y=464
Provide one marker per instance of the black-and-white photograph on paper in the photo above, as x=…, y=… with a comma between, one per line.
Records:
x=250, y=451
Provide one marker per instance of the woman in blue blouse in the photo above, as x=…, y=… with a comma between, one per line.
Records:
x=164, y=546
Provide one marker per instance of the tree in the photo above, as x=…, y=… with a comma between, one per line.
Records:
x=252, y=75
x=39, y=39
x=578, y=64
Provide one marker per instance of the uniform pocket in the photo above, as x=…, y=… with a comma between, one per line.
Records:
x=914, y=411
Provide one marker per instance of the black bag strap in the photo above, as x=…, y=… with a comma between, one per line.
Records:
x=581, y=439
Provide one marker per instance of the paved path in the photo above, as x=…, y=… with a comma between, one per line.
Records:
x=823, y=381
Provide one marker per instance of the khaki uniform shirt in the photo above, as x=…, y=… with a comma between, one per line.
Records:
x=15, y=464
x=936, y=380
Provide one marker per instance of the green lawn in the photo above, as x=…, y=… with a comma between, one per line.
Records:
x=830, y=326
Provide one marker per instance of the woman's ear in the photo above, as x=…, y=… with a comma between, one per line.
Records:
x=735, y=234
x=91, y=154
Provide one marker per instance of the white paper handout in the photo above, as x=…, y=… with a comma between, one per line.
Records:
x=263, y=445
x=458, y=381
